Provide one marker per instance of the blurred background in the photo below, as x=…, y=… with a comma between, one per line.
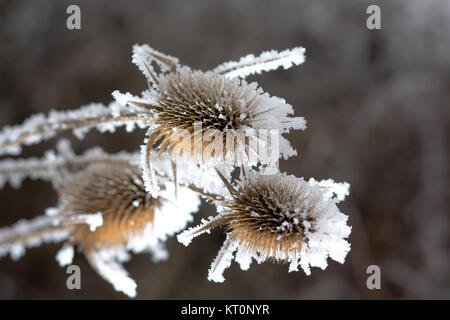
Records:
x=377, y=104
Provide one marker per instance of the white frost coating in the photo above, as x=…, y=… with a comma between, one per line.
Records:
x=324, y=236
x=14, y=171
x=65, y=255
x=189, y=234
x=51, y=212
x=222, y=260
x=16, y=251
x=203, y=176
x=144, y=57
x=107, y=262
x=327, y=237
x=269, y=117
x=39, y=127
x=159, y=252
x=29, y=234
x=125, y=98
x=171, y=217
x=175, y=213
x=145, y=241
x=267, y=61
x=339, y=189
x=243, y=258
x=94, y=220
x=42, y=229
x=148, y=173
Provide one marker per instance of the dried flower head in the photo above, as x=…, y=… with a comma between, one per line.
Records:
x=278, y=217
x=196, y=112
x=132, y=218
x=211, y=116
x=105, y=212
x=117, y=191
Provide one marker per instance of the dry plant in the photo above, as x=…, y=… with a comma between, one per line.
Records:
x=201, y=128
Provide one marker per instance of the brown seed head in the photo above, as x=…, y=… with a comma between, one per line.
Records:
x=117, y=192
x=210, y=101
x=270, y=214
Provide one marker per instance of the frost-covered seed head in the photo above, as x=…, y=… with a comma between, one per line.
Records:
x=280, y=218
x=272, y=214
x=133, y=221
x=116, y=190
x=202, y=115
x=211, y=116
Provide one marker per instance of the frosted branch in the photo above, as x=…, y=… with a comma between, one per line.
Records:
x=31, y=233
x=144, y=56
x=47, y=228
x=39, y=127
x=14, y=171
x=222, y=261
x=205, y=226
x=267, y=61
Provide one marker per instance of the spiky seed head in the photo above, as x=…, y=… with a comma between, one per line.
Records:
x=281, y=218
x=116, y=190
x=218, y=106
x=211, y=117
x=194, y=111
x=133, y=221
x=272, y=214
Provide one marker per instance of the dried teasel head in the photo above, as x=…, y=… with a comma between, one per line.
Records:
x=196, y=112
x=106, y=213
x=280, y=218
x=117, y=191
x=211, y=117
x=132, y=219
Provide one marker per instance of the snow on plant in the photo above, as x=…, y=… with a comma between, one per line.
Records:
x=201, y=127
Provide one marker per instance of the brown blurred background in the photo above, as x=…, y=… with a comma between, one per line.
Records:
x=378, y=110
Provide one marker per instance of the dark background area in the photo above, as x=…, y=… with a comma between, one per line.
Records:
x=377, y=104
